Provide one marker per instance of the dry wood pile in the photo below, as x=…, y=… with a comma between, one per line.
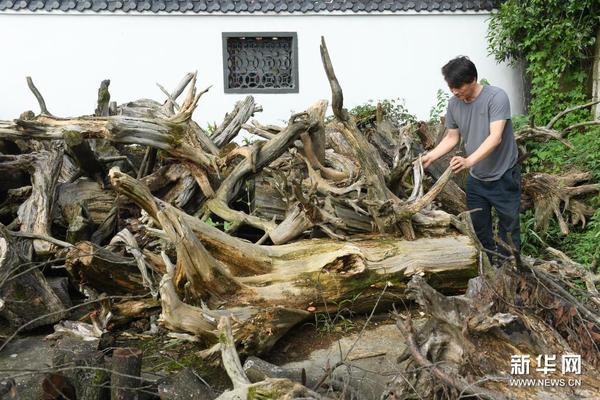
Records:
x=151, y=215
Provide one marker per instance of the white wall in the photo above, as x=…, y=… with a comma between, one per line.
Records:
x=375, y=57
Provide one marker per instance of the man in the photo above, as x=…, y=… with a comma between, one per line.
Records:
x=481, y=116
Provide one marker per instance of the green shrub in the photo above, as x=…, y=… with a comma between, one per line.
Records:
x=441, y=104
x=554, y=40
x=394, y=109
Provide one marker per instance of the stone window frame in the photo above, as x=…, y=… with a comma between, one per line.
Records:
x=295, y=74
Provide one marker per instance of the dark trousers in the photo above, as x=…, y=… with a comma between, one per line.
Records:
x=504, y=195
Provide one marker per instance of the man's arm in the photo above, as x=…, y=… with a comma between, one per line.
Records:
x=444, y=146
x=485, y=149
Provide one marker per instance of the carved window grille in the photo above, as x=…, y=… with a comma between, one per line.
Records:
x=260, y=62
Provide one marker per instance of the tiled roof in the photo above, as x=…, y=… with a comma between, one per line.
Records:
x=245, y=6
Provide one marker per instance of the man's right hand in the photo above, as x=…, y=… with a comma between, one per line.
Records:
x=427, y=159
x=446, y=144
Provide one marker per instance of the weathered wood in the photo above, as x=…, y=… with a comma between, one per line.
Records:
x=102, y=108
x=127, y=239
x=38, y=96
x=266, y=201
x=107, y=227
x=203, y=272
x=547, y=193
x=79, y=224
x=58, y=387
x=12, y=200
x=172, y=135
x=124, y=312
x=103, y=270
x=242, y=388
x=465, y=338
x=35, y=214
x=148, y=162
x=233, y=122
x=270, y=258
x=257, y=370
x=60, y=286
x=294, y=224
x=13, y=172
x=86, y=368
x=26, y=296
x=184, y=385
x=237, y=253
x=452, y=197
x=89, y=195
x=260, y=157
x=125, y=377
x=389, y=213
x=300, y=275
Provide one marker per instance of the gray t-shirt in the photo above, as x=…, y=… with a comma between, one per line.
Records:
x=473, y=121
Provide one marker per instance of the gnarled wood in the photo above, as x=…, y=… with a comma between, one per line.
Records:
x=234, y=121
x=103, y=270
x=35, y=214
x=26, y=296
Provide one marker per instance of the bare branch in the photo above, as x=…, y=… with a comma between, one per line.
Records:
x=38, y=96
x=569, y=110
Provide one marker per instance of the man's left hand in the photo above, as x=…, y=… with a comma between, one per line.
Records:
x=458, y=163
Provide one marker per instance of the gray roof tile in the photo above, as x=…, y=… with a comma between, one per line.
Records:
x=35, y=5
x=19, y=5
x=248, y=6
x=129, y=5
x=114, y=5
x=143, y=5
x=199, y=6
x=67, y=5
x=157, y=5
x=213, y=6
x=99, y=5
x=241, y=6
x=281, y=6
x=83, y=5
x=51, y=5
x=184, y=6
x=5, y=5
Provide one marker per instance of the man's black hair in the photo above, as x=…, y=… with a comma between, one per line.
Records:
x=459, y=71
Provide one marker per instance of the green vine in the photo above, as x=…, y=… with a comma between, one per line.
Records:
x=555, y=40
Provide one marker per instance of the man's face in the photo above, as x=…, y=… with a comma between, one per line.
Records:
x=466, y=92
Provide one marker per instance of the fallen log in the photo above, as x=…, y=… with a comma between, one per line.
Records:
x=305, y=275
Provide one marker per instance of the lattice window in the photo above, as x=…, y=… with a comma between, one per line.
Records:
x=260, y=62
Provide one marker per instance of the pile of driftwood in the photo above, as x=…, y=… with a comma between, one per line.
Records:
x=151, y=215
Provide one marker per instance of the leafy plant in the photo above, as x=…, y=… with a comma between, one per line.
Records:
x=519, y=121
x=247, y=141
x=554, y=39
x=341, y=321
x=531, y=242
x=584, y=246
x=224, y=226
x=441, y=103
x=394, y=109
x=211, y=128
